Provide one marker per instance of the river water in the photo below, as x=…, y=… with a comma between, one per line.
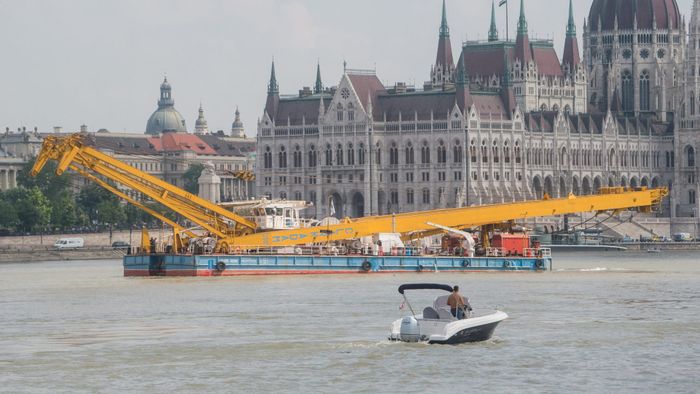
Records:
x=607, y=322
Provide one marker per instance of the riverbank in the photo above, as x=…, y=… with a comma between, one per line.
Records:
x=47, y=253
x=91, y=239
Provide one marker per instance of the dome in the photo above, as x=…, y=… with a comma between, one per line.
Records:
x=605, y=12
x=165, y=119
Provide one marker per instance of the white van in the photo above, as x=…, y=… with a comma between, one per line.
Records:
x=69, y=243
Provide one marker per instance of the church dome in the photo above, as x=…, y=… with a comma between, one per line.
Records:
x=604, y=13
x=166, y=117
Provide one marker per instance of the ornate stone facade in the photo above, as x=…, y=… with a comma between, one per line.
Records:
x=509, y=122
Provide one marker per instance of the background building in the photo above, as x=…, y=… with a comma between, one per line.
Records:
x=510, y=121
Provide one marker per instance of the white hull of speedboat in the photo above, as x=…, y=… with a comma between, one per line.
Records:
x=479, y=327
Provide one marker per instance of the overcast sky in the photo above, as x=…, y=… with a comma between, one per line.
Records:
x=100, y=62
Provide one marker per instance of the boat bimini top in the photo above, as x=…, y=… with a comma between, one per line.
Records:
x=424, y=286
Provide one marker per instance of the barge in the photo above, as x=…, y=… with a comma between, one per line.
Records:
x=234, y=265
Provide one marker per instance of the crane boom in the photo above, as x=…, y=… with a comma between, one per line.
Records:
x=232, y=230
x=72, y=151
x=611, y=199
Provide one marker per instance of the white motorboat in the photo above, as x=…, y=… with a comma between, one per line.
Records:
x=437, y=325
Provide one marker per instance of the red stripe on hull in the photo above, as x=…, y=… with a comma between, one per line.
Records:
x=230, y=272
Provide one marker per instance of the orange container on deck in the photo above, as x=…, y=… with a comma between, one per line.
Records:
x=511, y=244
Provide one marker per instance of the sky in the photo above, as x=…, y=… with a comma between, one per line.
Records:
x=100, y=62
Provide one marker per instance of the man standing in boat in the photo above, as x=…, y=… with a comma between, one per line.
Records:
x=458, y=305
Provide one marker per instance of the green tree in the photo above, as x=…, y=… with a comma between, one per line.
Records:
x=90, y=197
x=8, y=215
x=110, y=212
x=64, y=210
x=191, y=177
x=33, y=209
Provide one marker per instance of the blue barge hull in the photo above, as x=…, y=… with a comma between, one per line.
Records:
x=232, y=265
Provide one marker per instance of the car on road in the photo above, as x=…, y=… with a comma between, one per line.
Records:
x=69, y=243
x=120, y=245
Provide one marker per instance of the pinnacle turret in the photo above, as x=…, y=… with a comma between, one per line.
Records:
x=522, y=21
x=493, y=31
x=571, y=26
x=273, y=87
x=443, y=70
x=444, y=28
x=318, y=86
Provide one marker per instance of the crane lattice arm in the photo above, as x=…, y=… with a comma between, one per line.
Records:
x=611, y=199
x=72, y=152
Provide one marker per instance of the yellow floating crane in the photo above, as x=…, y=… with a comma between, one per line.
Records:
x=233, y=231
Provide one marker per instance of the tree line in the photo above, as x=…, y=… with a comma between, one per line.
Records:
x=50, y=204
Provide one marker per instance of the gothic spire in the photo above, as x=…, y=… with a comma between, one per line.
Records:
x=493, y=32
x=523, y=51
x=443, y=70
x=522, y=22
x=571, y=26
x=318, y=86
x=571, y=56
x=273, y=87
x=444, y=28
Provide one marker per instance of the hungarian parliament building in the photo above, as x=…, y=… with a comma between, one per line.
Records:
x=509, y=121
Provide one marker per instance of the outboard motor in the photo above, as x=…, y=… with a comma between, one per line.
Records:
x=410, y=332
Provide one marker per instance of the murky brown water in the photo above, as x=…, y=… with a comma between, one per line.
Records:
x=605, y=322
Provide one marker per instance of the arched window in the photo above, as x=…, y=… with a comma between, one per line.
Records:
x=472, y=151
x=339, y=112
x=457, y=152
x=506, y=152
x=339, y=154
x=517, y=153
x=351, y=154
x=484, y=152
x=312, y=156
x=267, y=157
x=441, y=153
x=361, y=154
x=425, y=153
x=329, y=155
x=644, y=91
x=690, y=153
x=494, y=149
x=393, y=154
x=410, y=157
x=282, y=158
x=351, y=112
x=297, y=157
x=543, y=107
x=627, y=92
x=567, y=109
x=379, y=154
x=692, y=103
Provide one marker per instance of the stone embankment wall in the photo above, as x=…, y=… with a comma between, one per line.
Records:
x=91, y=239
x=40, y=248
x=14, y=255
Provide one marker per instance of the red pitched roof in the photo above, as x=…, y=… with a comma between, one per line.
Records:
x=547, y=61
x=172, y=142
x=486, y=62
x=366, y=85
